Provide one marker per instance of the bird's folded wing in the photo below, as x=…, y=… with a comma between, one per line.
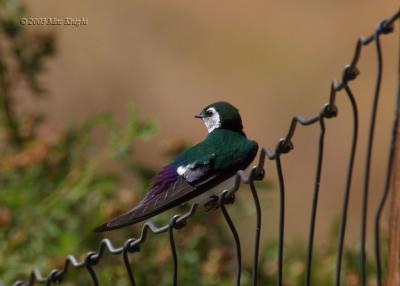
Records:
x=197, y=172
x=168, y=191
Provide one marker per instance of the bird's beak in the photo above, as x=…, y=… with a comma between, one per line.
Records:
x=201, y=115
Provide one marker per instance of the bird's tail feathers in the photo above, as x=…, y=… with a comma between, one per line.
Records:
x=122, y=220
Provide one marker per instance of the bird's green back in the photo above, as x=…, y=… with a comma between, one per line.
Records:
x=222, y=146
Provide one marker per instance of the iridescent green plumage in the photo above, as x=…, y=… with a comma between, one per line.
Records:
x=222, y=147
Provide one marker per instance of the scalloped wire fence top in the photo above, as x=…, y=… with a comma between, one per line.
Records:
x=284, y=146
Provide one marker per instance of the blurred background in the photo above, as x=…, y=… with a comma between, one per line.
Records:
x=147, y=67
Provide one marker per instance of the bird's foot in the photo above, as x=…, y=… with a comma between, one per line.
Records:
x=215, y=201
x=212, y=203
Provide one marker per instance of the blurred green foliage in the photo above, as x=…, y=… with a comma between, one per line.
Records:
x=55, y=189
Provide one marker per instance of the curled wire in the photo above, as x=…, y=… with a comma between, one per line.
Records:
x=92, y=258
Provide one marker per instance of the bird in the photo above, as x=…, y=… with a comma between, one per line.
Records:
x=198, y=173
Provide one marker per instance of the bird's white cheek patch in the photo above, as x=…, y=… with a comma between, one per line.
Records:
x=212, y=122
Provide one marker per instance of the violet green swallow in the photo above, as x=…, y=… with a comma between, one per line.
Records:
x=204, y=170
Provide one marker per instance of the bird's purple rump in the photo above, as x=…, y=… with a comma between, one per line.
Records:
x=162, y=181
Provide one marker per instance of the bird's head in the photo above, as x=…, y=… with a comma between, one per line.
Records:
x=221, y=115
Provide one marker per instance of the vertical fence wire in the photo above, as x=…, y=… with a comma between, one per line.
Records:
x=258, y=230
x=281, y=218
x=90, y=262
x=382, y=202
x=389, y=171
x=93, y=275
x=236, y=238
x=129, y=249
x=371, y=132
x=315, y=200
x=349, y=176
x=173, y=250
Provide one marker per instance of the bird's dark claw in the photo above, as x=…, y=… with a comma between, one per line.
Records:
x=212, y=203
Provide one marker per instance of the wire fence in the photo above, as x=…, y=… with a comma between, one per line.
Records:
x=284, y=146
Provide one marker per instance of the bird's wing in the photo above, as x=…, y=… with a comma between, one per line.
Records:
x=196, y=172
x=169, y=189
x=180, y=182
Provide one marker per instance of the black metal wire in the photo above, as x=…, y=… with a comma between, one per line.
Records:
x=315, y=198
x=171, y=227
x=281, y=219
x=258, y=230
x=126, y=251
x=388, y=178
x=283, y=146
x=382, y=202
x=348, y=185
x=364, y=209
x=92, y=275
x=236, y=238
x=92, y=258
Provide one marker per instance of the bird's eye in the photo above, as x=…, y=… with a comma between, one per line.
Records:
x=209, y=113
